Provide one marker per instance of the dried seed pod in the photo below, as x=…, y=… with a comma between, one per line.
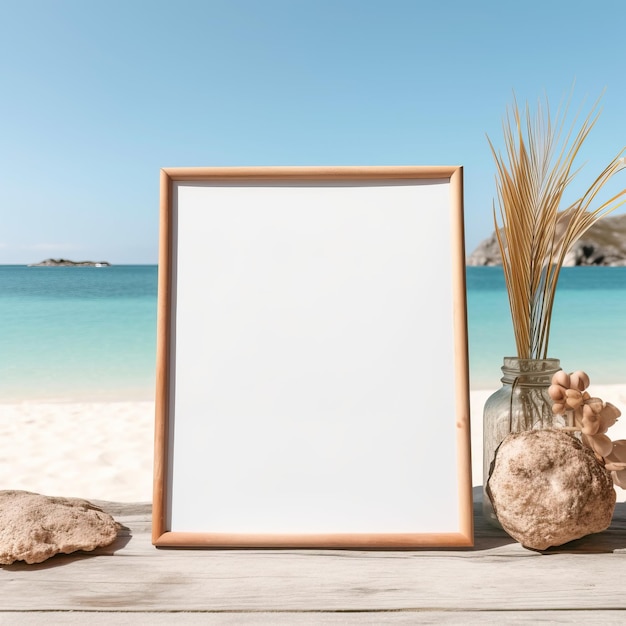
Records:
x=618, y=454
x=601, y=444
x=589, y=427
x=561, y=378
x=619, y=478
x=590, y=414
x=610, y=411
x=610, y=466
x=608, y=416
x=573, y=398
x=579, y=380
x=595, y=404
x=556, y=392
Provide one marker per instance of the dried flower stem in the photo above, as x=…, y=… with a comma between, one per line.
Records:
x=535, y=236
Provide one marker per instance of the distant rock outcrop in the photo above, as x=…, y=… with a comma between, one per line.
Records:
x=67, y=263
x=603, y=244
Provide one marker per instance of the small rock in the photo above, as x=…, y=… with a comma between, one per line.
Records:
x=34, y=527
x=548, y=489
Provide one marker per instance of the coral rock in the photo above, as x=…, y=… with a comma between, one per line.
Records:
x=34, y=527
x=548, y=489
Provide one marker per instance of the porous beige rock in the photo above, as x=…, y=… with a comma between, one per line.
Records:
x=34, y=527
x=548, y=489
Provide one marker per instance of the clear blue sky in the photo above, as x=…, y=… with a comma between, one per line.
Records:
x=97, y=95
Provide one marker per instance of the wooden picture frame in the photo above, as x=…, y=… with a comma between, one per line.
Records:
x=312, y=367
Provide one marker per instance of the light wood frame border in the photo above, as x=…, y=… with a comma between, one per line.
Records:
x=162, y=536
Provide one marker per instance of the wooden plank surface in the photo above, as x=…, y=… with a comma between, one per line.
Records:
x=496, y=581
x=460, y=618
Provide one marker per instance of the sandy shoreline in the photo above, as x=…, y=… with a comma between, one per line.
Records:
x=92, y=450
x=104, y=450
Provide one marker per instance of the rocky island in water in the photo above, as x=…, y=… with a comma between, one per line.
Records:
x=68, y=263
x=603, y=244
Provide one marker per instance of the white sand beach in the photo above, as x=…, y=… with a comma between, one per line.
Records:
x=104, y=450
x=96, y=451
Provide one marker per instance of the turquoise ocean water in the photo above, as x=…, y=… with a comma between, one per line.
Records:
x=82, y=333
x=588, y=328
x=90, y=333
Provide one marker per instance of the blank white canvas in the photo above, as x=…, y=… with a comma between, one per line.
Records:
x=313, y=389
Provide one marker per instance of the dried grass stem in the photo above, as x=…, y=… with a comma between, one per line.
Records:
x=535, y=236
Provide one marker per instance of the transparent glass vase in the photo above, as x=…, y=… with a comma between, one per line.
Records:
x=522, y=403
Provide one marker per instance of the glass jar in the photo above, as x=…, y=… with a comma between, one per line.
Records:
x=522, y=403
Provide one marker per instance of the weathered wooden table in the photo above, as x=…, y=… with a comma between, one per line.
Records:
x=497, y=581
